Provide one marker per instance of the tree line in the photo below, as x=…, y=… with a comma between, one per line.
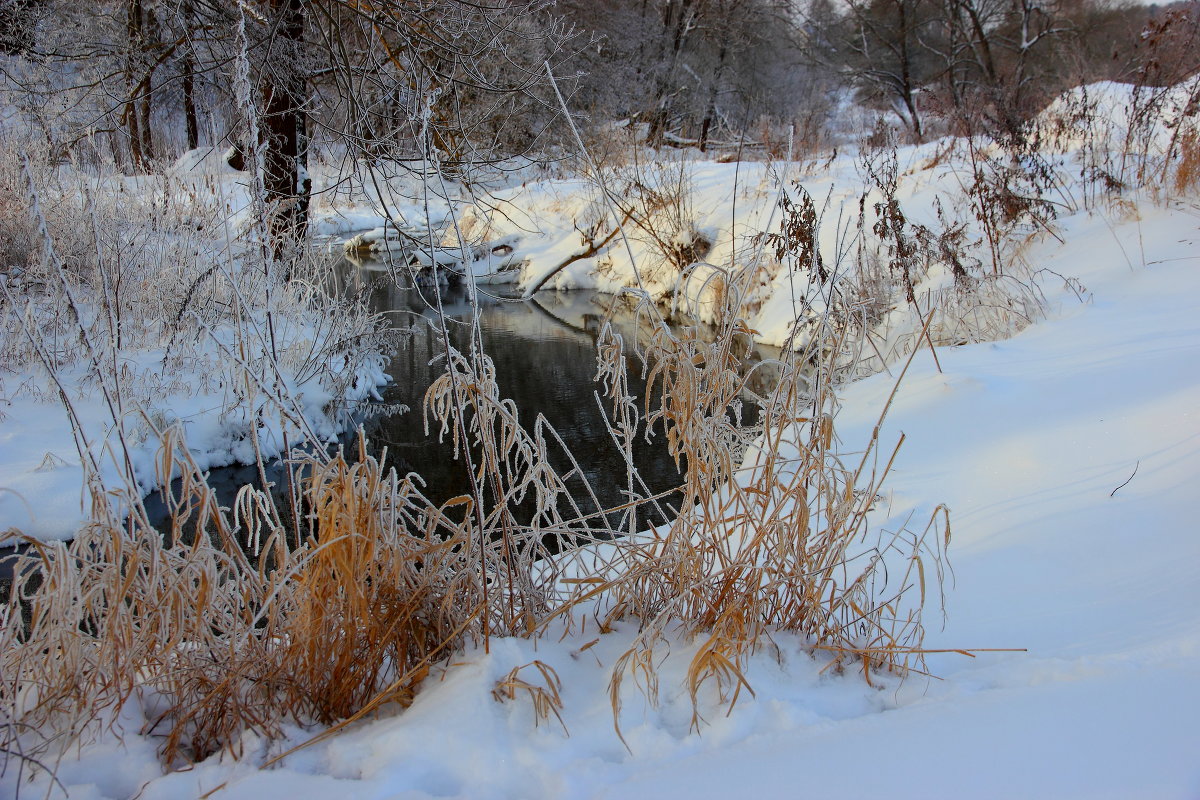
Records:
x=139, y=81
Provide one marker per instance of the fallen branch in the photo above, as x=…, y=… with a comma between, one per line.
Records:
x=1127, y=480
x=592, y=249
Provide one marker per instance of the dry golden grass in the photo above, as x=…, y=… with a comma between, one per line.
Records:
x=385, y=582
x=253, y=622
x=546, y=699
x=1187, y=171
x=225, y=633
x=118, y=613
x=774, y=537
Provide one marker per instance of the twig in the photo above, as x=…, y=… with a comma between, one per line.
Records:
x=1127, y=480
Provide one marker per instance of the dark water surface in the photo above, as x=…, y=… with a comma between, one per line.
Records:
x=544, y=351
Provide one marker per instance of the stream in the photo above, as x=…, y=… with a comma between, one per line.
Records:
x=544, y=351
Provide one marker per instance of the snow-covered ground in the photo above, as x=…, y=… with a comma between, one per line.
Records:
x=1069, y=456
x=45, y=494
x=282, y=362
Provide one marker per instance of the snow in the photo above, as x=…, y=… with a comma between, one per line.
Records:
x=1068, y=455
x=1120, y=113
x=45, y=491
x=1026, y=440
x=198, y=385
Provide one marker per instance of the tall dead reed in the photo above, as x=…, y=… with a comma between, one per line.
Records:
x=248, y=617
x=773, y=533
x=238, y=620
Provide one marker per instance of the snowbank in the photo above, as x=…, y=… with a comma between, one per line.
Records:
x=45, y=494
x=1119, y=117
x=180, y=335
x=1057, y=549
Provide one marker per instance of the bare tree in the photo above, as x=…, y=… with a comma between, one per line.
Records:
x=997, y=56
x=683, y=67
x=736, y=30
x=448, y=79
x=879, y=47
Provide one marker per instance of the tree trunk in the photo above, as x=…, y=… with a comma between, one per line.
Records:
x=283, y=136
x=680, y=26
x=189, y=81
x=137, y=160
x=710, y=110
x=907, y=31
x=144, y=110
x=133, y=82
x=189, y=107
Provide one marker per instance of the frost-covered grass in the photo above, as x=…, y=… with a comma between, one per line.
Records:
x=1027, y=441
x=352, y=608
x=136, y=305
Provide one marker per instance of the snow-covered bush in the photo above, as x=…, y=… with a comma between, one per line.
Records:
x=17, y=234
x=1124, y=136
x=137, y=306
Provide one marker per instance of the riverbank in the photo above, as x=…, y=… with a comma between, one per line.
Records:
x=1067, y=455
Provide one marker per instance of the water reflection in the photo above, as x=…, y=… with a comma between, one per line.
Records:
x=544, y=351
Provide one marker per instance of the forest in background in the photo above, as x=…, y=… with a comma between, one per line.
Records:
x=138, y=82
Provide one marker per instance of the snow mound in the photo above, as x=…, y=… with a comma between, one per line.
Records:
x=1114, y=115
x=202, y=161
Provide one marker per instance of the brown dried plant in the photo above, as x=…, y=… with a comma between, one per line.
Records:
x=386, y=582
x=339, y=604
x=1187, y=170
x=216, y=633
x=546, y=699
x=778, y=536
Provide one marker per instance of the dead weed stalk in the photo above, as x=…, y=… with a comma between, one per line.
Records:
x=777, y=535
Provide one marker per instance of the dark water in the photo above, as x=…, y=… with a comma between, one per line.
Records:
x=544, y=352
